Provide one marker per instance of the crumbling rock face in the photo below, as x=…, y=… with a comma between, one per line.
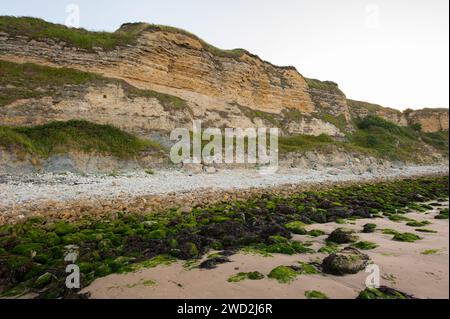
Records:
x=176, y=63
x=430, y=120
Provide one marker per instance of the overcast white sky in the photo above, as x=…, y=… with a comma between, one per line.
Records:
x=390, y=52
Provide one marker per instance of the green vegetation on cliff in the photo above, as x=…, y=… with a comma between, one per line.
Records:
x=389, y=140
x=39, y=29
x=127, y=34
x=28, y=80
x=373, y=136
x=327, y=86
x=61, y=137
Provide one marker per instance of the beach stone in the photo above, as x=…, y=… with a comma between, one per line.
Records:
x=347, y=261
x=343, y=236
x=210, y=170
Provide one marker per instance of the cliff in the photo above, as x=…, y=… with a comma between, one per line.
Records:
x=231, y=88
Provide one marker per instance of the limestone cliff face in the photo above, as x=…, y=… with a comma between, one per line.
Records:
x=176, y=63
x=232, y=90
x=431, y=120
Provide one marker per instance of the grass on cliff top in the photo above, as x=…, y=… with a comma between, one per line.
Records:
x=28, y=80
x=127, y=34
x=358, y=105
x=327, y=86
x=39, y=29
x=62, y=137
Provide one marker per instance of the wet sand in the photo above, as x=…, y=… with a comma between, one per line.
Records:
x=402, y=266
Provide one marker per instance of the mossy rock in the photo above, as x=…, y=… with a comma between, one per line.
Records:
x=430, y=252
x=27, y=249
x=343, y=236
x=278, y=239
x=189, y=251
x=44, y=280
x=253, y=275
x=220, y=219
x=307, y=269
x=347, y=261
x=443, y=214
x=399, y=218
x=406, y=237
x=415, y=223
x=16, y=264
x=85, y=267
x=314, y=294
x=296, y=227
x=365, y=245
x=329, y=248
x=283, y=274
x=389, y=231
x=63, y=228
x=369, y=228
x=316, y=233
x=73, y=239
x=157, y=234
x=383, y=292
x=425, y=230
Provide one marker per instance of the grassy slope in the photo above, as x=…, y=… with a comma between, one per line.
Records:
x=62, y=137
x=28, y=80
x=393, y=141
x=374, y=136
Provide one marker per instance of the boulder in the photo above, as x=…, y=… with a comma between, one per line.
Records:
x=347, y=261
x=343, y=236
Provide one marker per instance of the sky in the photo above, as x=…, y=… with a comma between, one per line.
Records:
x=390, y=52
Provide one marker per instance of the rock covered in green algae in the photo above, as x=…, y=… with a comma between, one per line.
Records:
x=369, y=228
x=365, y=245
x=383, y=292
x=343, y=236
x=253, y=275
x=347, y=261
x=314, y=294
x=296, y=227
x=283, y=274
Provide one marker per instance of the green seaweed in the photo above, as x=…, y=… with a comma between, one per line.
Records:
x=283, y=274
x=314, y=294
x=365, y=245
x=253, y=275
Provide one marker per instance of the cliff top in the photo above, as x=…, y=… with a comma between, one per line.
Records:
x=127, y=34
